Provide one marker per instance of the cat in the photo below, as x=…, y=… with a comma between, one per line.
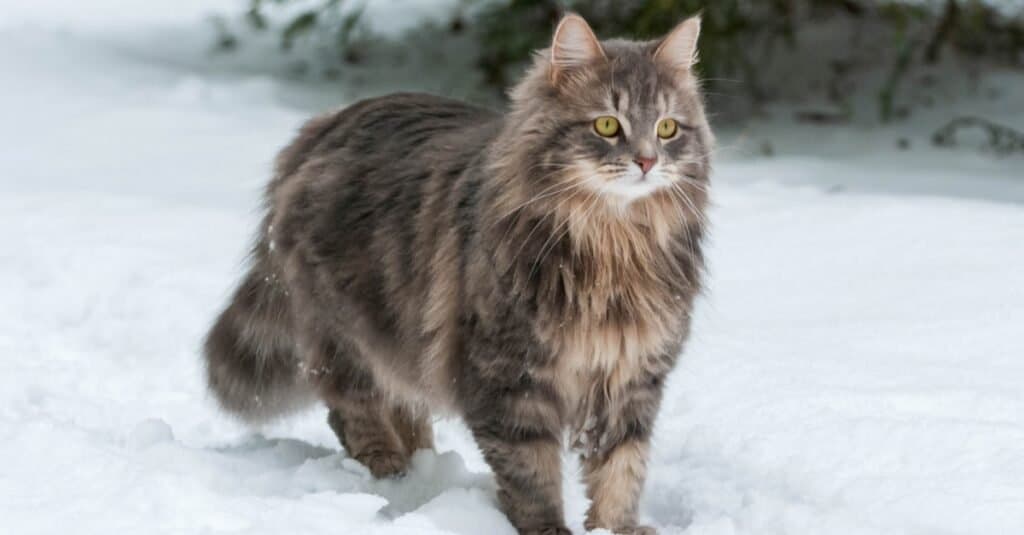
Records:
x=533, y=272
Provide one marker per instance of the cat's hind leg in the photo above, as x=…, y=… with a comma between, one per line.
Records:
x=360, y=413
x=382, y=436
x=369, y=438
x=413, y=427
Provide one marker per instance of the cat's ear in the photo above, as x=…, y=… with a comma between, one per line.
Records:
x=678, y=50
x=574, y=45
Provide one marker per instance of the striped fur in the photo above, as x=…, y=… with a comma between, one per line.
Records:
x=421, y=255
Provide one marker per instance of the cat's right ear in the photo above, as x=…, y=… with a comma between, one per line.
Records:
x=573, y=46
x=678, y=51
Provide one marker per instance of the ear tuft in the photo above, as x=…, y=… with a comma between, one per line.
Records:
x=574, y=45
x=679, y=48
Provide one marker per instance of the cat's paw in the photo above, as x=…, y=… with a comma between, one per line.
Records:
x=551, y=530
x=384, y=464
x=624, y=530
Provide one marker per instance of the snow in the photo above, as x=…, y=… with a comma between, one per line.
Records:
x=855, y=368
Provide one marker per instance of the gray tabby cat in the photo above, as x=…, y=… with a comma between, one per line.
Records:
x=532, y=272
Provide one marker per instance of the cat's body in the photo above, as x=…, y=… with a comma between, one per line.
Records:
x=421, y=255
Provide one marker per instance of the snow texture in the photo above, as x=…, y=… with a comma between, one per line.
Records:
x=856, y=366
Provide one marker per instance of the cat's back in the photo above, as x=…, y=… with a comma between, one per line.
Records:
x=379, y=144
x=387, y=131
x=362, y=195
x=378, y=151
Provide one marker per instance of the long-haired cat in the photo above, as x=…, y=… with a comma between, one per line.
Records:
x=532, y=272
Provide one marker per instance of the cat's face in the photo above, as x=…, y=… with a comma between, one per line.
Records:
x=622, y=120
x=635, y=133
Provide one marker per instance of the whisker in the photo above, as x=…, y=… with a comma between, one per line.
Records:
x=594, y=199
x=545, y=193
x=699, y=214
x=690, y=246
x=541, y=220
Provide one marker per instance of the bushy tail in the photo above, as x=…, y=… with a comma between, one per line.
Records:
x=251, y=365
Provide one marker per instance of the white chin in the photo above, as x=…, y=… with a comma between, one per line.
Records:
x=630, y=189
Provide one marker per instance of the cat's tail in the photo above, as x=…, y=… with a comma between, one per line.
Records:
x=251, y=364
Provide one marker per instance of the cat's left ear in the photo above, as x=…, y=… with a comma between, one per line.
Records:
x=573, y=46
x=678, y=50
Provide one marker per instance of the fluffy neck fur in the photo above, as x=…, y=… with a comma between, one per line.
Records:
x=612, y=283
x=619, y=241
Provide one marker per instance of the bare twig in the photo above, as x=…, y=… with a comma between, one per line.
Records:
x=1001, y=139
x=887, y=94
x=942, y=31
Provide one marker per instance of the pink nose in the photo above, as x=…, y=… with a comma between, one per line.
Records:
x=645, y=163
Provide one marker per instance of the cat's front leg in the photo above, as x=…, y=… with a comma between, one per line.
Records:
x=515, y=420
x=615, y=467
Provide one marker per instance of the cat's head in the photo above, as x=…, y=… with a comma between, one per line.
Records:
x=621, y=120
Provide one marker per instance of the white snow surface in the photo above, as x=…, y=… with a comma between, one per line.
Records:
x=856, y=367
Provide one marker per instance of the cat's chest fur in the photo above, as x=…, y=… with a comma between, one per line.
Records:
x=621, y=311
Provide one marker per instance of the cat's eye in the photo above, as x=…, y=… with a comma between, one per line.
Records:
x=606, y=126
x=667, y=128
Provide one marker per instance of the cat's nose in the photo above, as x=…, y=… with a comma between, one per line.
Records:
x=645, y=163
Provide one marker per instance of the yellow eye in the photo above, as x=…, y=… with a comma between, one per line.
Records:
x=667, y=128
x=607, y=126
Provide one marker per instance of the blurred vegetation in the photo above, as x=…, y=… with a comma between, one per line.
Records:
x=742, y=42
x=335, y=23
x=740, y=39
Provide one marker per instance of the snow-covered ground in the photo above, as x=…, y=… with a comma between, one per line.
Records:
x=857, y=366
